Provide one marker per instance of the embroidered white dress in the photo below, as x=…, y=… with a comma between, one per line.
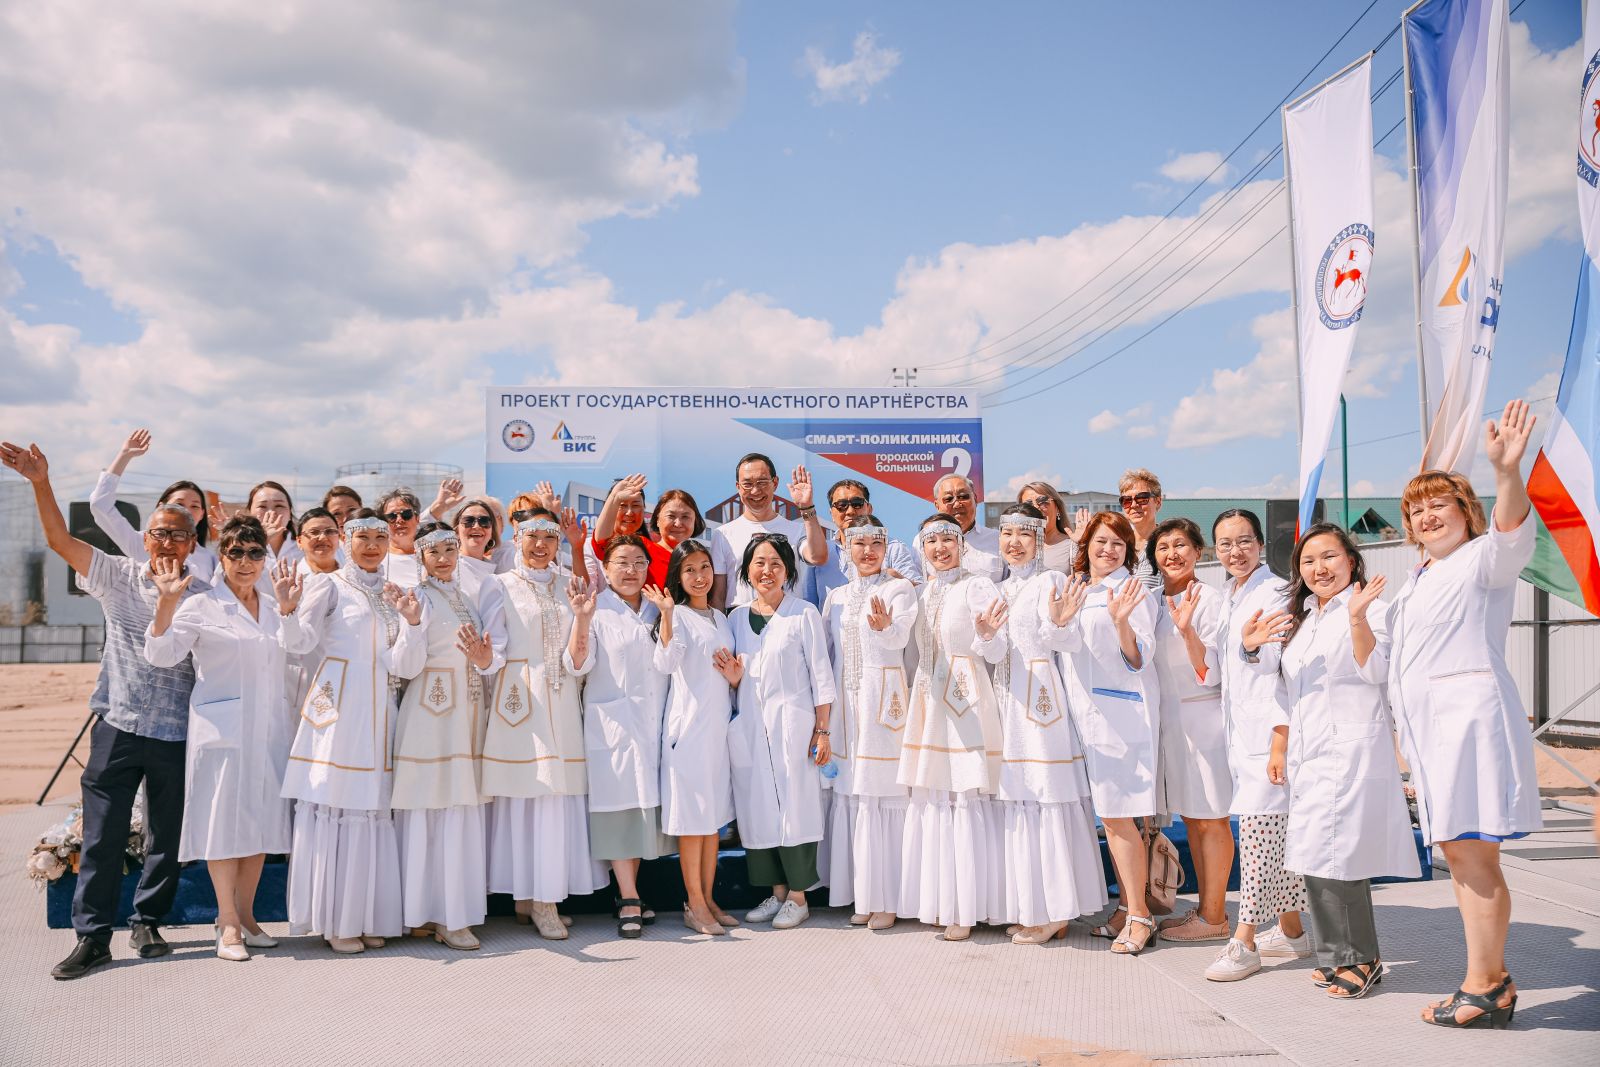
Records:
x=1052, y=856
x=953, y=858
x=344, y=874
x=1196, y=780
x=696, y=781
x=860, y=854
x=534, y=774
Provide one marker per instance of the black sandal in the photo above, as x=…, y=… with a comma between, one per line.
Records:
x=1348, y=990
x=1493, y=1015
x=1322, y=977
x=629, y=925
x=646, y=914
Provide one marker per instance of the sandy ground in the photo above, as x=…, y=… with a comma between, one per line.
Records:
x=43, y=705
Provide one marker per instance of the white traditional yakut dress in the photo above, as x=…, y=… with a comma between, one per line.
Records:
x=696, y=781
x=438, y=746
x=1347, y=810
x=1196, y=781
x=344, y=878
x=1463, y=728
x=953, y=861
x=240, y=724
x=1251, y=697
x=1115, y=706
x=777, y=788
x=867, y=809
x=534, y=774
x=1052, y=856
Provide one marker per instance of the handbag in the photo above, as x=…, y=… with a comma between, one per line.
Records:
x=1165, y=876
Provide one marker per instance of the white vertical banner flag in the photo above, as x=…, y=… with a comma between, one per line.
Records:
x=1458, y=80
x=1327, y=151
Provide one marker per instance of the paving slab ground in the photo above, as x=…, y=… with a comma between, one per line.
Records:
x=825, y=994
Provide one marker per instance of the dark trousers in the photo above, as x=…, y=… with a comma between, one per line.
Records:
x=1343, y=930
x=118, y=762
x=792, y=865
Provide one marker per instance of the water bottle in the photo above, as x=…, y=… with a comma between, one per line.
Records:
x=830, y=770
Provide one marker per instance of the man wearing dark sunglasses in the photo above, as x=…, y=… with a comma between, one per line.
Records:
x=956, y=496
x=848, y=500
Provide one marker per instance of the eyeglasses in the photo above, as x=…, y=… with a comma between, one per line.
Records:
x=758, y=483
x=402, y=515
x=1224, y=547
x=1141, y=499
x=847, y=503
x=170, y=537
x=522, y=514
x=254, y=555
x=469, y=521
x=951, y=498
x=629, y=564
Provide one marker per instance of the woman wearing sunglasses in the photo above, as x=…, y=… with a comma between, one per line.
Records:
x=1141, y=502
x=477, y=527
x=401, y=509
x=1060, y=545
x=239, y=721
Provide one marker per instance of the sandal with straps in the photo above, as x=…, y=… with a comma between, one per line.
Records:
x=1492, y=1014
x=1322, y=977
x=1342, y=988
x=1108, y=929
x=629, y=925
x=1125, y=945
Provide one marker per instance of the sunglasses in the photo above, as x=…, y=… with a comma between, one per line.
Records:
x=1142, y=499
x=254, y=555
x=769, y=537
x=470, y=521
x=402, y=515
x=522, y=514
x=1040, y=502
x=951, y=498
x=847, y=502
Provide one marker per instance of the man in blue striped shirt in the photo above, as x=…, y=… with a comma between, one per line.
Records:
x=142, y=717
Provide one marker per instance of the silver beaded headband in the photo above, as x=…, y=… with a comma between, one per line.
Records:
x=1026, y=522
x=372, y=522
x=858, y=533
x=437, y=537
x=935, y=528
x=539, y=525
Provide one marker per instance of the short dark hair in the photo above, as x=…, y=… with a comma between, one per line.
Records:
x=780, y=544
x=316, y=513
x=242, y=530
x=1187, y=527
x=1240, y=513
x=624, y=541
x=756, y=457
x=683, y=495
x=848, y=483
x=341, y=490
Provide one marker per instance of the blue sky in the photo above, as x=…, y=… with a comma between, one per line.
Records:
x=747, y=213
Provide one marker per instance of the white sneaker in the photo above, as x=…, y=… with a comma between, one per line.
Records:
x=764, y=911
x=791, y=915
x=1236, y=961
x=1275, y=944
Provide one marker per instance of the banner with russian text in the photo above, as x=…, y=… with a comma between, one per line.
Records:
x=897, y=442
x=1458, y=62
x=1327, y=151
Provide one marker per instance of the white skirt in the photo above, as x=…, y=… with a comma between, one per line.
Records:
x=539, y=848
x=834, y=861
x=1053, y=871
x=877, y=841
x=952, y=868
x=344, y=873
x=443, y=873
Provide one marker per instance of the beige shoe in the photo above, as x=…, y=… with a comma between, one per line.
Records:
x=524, y=910
x=723, y=918
x=1193, y=928
x=957, y=933
x=880, y=920
x=547, y=922
x=701, y=924
x=566, y=920
x=230, y=950
x=859, y=919
x=463, y=939
x=1039, y=935
x=373, y=941
x=347, y=946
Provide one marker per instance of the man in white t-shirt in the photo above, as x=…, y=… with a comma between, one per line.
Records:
x=756, y=480
x=954, y=495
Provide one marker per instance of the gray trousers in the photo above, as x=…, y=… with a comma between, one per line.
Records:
x=1343, y=931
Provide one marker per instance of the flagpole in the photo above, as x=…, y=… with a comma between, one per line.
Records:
x=1416, y=231
x=1344, y=459
x=1294, y=299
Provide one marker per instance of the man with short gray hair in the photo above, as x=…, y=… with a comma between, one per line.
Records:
x=956, y=496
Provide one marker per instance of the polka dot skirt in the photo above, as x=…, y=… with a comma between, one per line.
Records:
x=1266, y=890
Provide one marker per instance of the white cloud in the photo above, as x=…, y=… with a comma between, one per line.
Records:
x=1196, y=166
x=1033, y=474
x=1105, y=421
x=1142, y=432
x=855, y=78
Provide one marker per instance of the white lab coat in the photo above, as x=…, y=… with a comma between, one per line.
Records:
x=1250, y=697
x=1463, y=728
x=1347, y=811
x=980, y=553
x=240, y=724
x=103, y=506
x=869, y=720
x=1195, y=777
x=342, y=752
x=777, y=788
x=696, y=782
x=624, y=698
x=401, y=569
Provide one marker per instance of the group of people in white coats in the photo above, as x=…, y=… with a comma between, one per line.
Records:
x=929, y=732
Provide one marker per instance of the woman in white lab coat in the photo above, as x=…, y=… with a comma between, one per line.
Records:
x=780, y=740
x=1347, y=812
x=1052, y=854
x=613, y=649
x=1254, y=707
x=869, y=621
x=1195, y=781
x=437, y=753
x=185, y=494
x=1463, y=728
x=953, y=864
x=1115, y=701
x=344, y=881
x=239, y=724
x=534, y=773
x=694, y=649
